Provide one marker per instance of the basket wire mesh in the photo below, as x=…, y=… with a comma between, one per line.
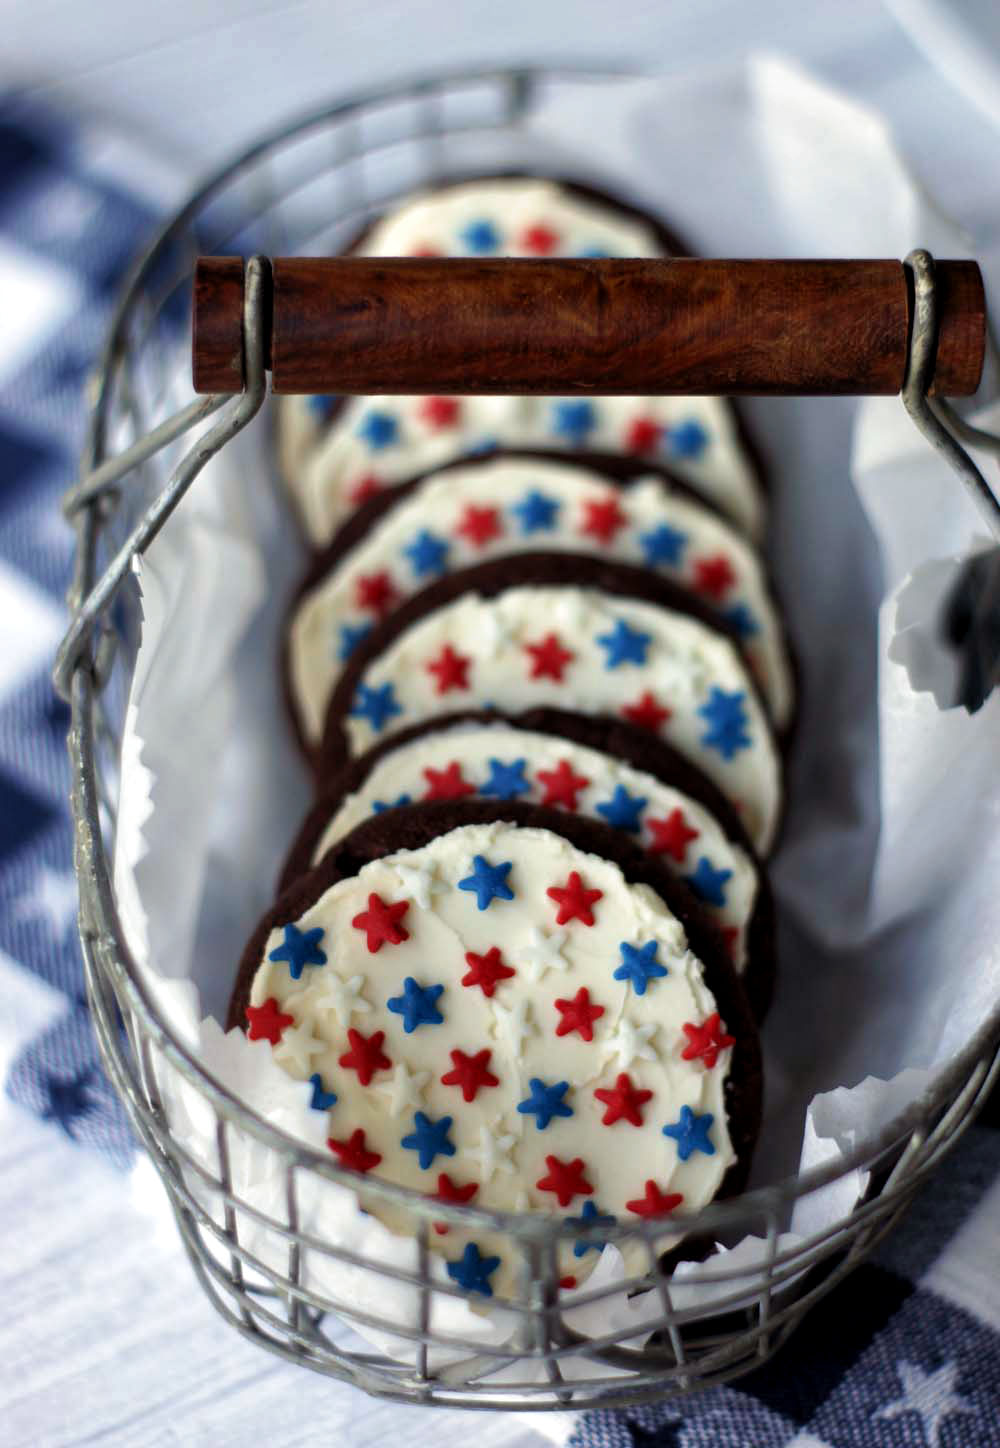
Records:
x=307, y=188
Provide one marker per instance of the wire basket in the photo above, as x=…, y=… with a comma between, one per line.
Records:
x=310, y=187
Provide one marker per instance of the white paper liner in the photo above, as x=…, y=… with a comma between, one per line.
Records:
x=890, y=939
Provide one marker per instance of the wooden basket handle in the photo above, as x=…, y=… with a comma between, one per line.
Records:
x=602, y=327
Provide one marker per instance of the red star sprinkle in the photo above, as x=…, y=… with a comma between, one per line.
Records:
x=479, y=525
x=714, y=576
x=381, y=923
x=655, y=1203
x=567, y=1282
x=549, y=658
x=706, y=1040
x=425, y=251
x=578, y=1015
x=471, y=1073
x=267, y=1022
x=451, y=670
x=603, y=519
x=671, y=836
x=646, y=712
x=573, y=900
x=448, y=1191
x=623, y=1102
x=539, y=240
x=366, y=1055
x=729, y=935
x=440, y=412
x=364, y=489
x=642, y=435
x=353, y=1152
x=375, y=591
x=561, y=785
x=565, y=1179
x=447, y=783
x=487, y=970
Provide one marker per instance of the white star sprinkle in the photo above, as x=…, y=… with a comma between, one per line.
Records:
x=630, y=1042
x=420, y=882
x=297, y=1048
x=343, y=997
x=494, y=635
x=492, y=1153
x=542, y=952
x=513, y=1025
x=54, y=900
x=930, y=1395
x=404, y=1090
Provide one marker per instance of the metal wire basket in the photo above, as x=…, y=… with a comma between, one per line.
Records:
x=309, y=187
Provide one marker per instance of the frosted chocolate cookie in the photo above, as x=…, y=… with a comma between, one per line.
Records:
x=476, y=511
x=570, y=632
x=491, y=1013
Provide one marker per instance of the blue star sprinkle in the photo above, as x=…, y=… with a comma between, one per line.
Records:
x=506, y=781
x=481, y=237
x=691, y=1133
x=545, y=1102
x=573, y=420
x=594, y=253
x=472, y=1271
x=378, y=706
x=624, y=646
x=378, y=429
x=536, y=512
x=590, y=1216
x=321, y=1100
x=742, y=620
x=687, y=440
x=380, y=806
x=707, y=883
x=622, y=810
x=726, y=717
x=663, y=545
x=417, y=1006
x=300, y=948
x=483, y=446
x=489, y=882
x=321, y=404
x=430, y=1138
x=639, y=965
x=68, y=1099
x=428, y=554
x=351, y=634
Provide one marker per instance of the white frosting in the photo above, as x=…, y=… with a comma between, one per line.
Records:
x=404, y=772
x=497, y=1147
x=715, y=718
x=698, y=438
x=331, y=613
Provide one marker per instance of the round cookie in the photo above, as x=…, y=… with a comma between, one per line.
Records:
x=566, y=631
x=489, y=1000
x=475, y=511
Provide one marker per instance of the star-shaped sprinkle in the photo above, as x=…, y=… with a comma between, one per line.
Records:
x=488, y=882
x=562, y=785
x=623, y=1101
x=647, y=712
x=351, y=635
x=321, y=1099
x=471, y=1073
x=492, y=1153
x=380, y=922
x=602, y=519
x=545, y=1102
x=405, y=1089
x=740, y=619
x=691, y=1133
x=417, y=1005
x=578, y=1015
x=714, y=577
x=727, y=722
x=365, y=1056
x=297, y=1047
x=480, y=237
x=688, y=440
x=450, y=670
x=624, y=645
x=930, y=1396
x=267, y=1022
x=706, y=1041
x=541, y=952
x=707, y=883
x=590, y=1216
x=342, y=997
x=654, y=1203
x=382, y=806
x=622, y=810
x=479, y=526
x=300, y=948
x=671, y=835
x=472, y=1271
x=366, y=487
x=513, y=1025
x=494, y=637
x=420, y=883
x=663, y=545
x=486, y=971
x=573, y=421
x=565, y=1179
x=538, y=240
x=428, y=554
x=506, y=781
x=574, y=900
x=68, y=1098
x=375, y=592
x=429, y=1138
x=631, y=1043
x=353, y=1152
x=378, y=430
x=449, y=1191
x=639, y=965
x=377, y=705
x=321, y=404
x=549, y=659
x=643, y=435
x=536, y=513
x=447, y=783
x=440, y=412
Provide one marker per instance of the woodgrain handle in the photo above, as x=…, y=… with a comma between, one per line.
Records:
x=682, y=326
